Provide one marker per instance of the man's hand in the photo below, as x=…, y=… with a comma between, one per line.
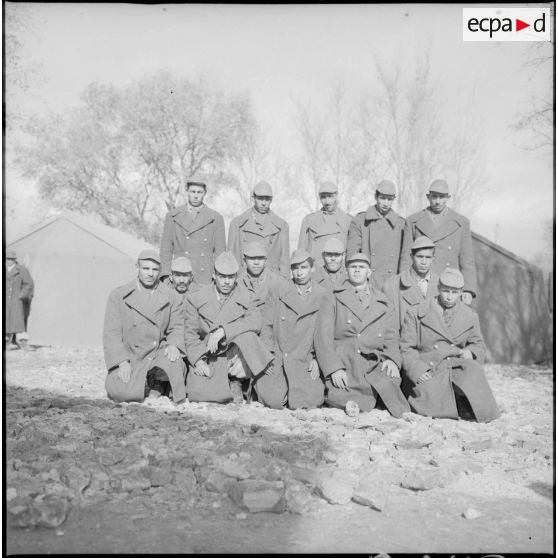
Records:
x=213, y=339
x=172, y=353
x=269, y=369
x=314, y=370
x=339, y=379
x=201, y=368
x=467, y=298
x=124, y=371
x=390, y=368
x=424, y=377
x=466, y=354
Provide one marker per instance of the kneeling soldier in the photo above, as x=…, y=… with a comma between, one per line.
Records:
x=357, y=347
x=220, y=330
x=443, y=353
x=181, y=278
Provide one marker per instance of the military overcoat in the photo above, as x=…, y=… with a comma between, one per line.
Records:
x=380, y=238
x=427, y=344
x=138, y=329
x=200, y=239
x=270, y=283
x=318, y=227
x=454, y=244
x=274, y=236
x=18, y=290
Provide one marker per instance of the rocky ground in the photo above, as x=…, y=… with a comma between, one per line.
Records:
x=86, y=475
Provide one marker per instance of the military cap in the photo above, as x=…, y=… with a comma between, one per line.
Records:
x=226, y=264
x=333, y=245
x=299, y=256
x=327, y=188
x=263, y=189
x=357, y=257
x=254, y=249
x=195, y=181
x=11, y=255
x=422, y=242
x=439, y=186
x=386, y=187
x=451, y=277
x=182, y=265
x=152, y=255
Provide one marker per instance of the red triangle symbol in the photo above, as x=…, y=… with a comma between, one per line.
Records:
x=519, y=25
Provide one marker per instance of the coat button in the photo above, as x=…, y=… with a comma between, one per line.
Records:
x=358, y=334
x=449, y=247
x=348, y=321
x=389, y=271
x=203, y=254
x=379, y=334
x=286, y=354
x=373, y=253
x=448, y=264
x=435, y=346
x=358, y=351
x=154, y=342
x=373, y=269
x=201, y=269
x=187, y=238
x=205, y=239
x=431, y=363
x=282, y=317
x=186, y=253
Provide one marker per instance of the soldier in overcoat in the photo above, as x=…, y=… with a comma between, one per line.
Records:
x=332, y=273
x=329, y=222
x=450, y=232
x=261, y=224
x=415, y=284
x=289, y=331
x=443, y=353
x=143, y=333
x=221, y=327
x=378, y=233
x=357, y=347
x=195, y=231
x=181, y=278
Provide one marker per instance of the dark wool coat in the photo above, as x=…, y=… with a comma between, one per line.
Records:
x=201, y=240
x=318, y=227
x=454, y=244
x=358, y=340
x=241, y=321
x=289, y=331
x=18, y=291
x=380, y=238
x=274, y=236
x=138, y=330
x=271, y=284
x=329, y=280
x=427, y=344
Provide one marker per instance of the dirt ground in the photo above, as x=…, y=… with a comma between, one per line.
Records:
x=85, y=475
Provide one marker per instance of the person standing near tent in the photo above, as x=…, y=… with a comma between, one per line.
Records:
x=195, y=231
x=18, y=294
x=143, y=336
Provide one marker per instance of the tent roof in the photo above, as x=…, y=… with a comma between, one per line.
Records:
x=501, y=250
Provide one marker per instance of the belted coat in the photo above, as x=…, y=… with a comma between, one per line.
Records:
x=318, y=227
x=429, y=345
x=200, y=239
x=138, y=329
x=453, y=240
x=379, y=237
x=358, y=340
x=241, y=321
x=18, y=291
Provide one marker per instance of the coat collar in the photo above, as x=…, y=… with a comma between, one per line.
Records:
x=411, y=292
x=147, y=307
x=235, y=307
x=431, y=317
x=272, y=226
x=183, y=218
x=348, y=298
x=299, y=305
x=448, y=225
x=372, y=214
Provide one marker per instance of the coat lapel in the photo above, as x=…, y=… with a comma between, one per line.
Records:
x=432, y=318
x=425, y=225
x=235, y=307
x=376, y=309
x=147, y=307
x=349, y=299
x=209, y=308
x=184, y=220
x=461, y=323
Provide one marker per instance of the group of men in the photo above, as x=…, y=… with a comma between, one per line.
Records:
x=368, y=311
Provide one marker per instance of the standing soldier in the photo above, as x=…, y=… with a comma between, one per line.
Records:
x=260, y=224
x=378, y=233
x=195, y=231
x=332, y=273
x=450, y=231
x=18, y=295
x=328, y=222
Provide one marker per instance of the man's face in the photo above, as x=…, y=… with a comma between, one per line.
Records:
x=359, y=273
x=195, y=194
x=328, y=201
x=449, y=296
x=437, y=201
x=255, y=265
x=262, y=203
x=302, y=272
x=384, y=203
x=181, y=281
x=9, y=262
x=224, y=283
x=422, y=260
x=332, y=261
x=148, y=272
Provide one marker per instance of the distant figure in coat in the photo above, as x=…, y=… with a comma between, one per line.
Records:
x=181, y=278
x=143, y=336
x=18, y=295
x=415, y=284
x=378, y=233
x=260, y=224
x=194, y=231
x=221, y=327
x=443, y=353
x=450, y=231
x=320, y=226
x=332, y=273
x=289, y=332
x=357, y=347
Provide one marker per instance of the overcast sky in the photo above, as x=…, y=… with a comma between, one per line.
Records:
x=282, y=53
